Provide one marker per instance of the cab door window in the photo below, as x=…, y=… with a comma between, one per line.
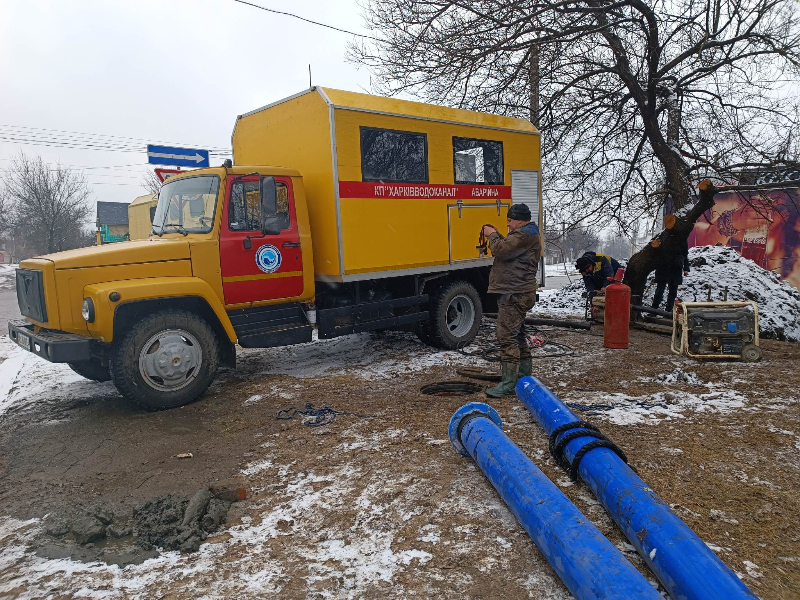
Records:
x=244, y=209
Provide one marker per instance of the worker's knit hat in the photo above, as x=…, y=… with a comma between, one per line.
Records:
x=519, y=212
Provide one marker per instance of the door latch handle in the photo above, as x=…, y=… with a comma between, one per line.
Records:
x=291, y=244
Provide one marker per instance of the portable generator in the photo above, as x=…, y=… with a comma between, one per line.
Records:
x=716, y=330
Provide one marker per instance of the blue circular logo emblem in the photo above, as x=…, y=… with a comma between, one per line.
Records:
x=268, y=258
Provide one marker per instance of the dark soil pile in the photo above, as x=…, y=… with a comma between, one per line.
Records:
x=175, y=523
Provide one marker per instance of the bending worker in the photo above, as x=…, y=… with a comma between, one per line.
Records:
x=596, y=270
x=513, y=276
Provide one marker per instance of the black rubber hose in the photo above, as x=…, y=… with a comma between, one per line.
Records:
x=652, y=311
x=551, y=322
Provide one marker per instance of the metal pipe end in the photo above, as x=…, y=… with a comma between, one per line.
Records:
x=469, y=410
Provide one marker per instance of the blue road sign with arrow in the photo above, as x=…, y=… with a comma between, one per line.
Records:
x=178, y=157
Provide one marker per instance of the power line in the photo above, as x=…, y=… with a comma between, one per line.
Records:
x=82, y=134
x=55, y=143
x=288, y=14
x=69, y=167
x=114, y=183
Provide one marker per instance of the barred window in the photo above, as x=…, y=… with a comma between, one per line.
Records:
x=477, y=161
x=394, y=156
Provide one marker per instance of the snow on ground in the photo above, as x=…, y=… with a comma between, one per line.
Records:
x=567, y=268
x=371, y=356
x=26, y=379
x=8, y=277
x=778, y=301
x=289, y=536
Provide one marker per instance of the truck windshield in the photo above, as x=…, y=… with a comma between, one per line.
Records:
x=187, y=205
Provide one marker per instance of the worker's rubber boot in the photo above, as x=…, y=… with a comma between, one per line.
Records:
x=510, y=376
x=525, y=367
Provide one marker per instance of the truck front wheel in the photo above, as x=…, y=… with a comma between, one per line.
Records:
x=455, y=315
x=165, y=360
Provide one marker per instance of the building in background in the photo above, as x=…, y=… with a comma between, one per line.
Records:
x=112, y=222
x=140, y=216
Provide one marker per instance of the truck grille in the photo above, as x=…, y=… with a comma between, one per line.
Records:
x=30, y=294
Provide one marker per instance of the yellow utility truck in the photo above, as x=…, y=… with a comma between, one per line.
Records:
x=341, y=211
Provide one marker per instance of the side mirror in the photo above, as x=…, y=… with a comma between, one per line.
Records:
x=269, y=206
x=270, y=225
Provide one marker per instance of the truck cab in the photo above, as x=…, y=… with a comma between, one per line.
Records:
x=259, y=256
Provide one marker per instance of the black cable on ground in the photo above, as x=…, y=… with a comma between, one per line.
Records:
x=321, y=416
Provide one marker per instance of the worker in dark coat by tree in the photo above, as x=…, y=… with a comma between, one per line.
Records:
x=513, y=276
x=596, y=270
x=671, y=275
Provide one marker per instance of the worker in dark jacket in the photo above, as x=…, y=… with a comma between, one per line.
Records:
x=513, y=276
x=671, y=275
x=596, y=270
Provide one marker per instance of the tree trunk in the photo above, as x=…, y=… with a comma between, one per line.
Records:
x=533, y=77
x=666, y=244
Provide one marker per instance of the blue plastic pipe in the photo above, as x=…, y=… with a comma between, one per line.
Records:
x=686, y=567
x=588, y=564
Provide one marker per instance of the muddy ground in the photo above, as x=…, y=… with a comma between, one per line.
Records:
x=382, y=506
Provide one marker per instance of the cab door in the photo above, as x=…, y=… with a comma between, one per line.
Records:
x=256, y=267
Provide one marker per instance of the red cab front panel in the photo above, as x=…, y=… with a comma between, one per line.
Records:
x=272, y=267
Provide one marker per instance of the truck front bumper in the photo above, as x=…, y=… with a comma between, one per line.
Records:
x=55, y=346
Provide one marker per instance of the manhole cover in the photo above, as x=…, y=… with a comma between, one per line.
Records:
x=451, y=388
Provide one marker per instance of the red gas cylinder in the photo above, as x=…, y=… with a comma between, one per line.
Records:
x=617, y=318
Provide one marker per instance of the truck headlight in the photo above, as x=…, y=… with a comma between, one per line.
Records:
x=87, y=310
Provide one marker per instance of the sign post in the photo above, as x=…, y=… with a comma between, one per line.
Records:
x=178, y=157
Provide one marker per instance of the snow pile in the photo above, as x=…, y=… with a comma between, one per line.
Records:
x=719, y=266
x=778, y=301
x=8, y=277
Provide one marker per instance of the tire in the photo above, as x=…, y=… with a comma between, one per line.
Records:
x=91, y=369
x=455, y=315
x=422, y=333
x=165, y=360
x=751, y=353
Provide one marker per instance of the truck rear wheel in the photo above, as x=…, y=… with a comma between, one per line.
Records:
x=91, y=369
x=165, y=360
x=455, y=315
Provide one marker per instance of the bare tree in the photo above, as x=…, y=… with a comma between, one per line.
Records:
x=45, y=209
x=151, y=183
x=568, y=243
x=637, y=101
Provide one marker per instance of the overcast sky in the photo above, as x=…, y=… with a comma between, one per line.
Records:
x=176, y=71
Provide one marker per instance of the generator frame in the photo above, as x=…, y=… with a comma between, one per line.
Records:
x=681, y=320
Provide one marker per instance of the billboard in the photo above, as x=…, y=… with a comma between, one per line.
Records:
x=763, y=226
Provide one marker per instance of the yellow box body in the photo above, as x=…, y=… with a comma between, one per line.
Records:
x=318, y=133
